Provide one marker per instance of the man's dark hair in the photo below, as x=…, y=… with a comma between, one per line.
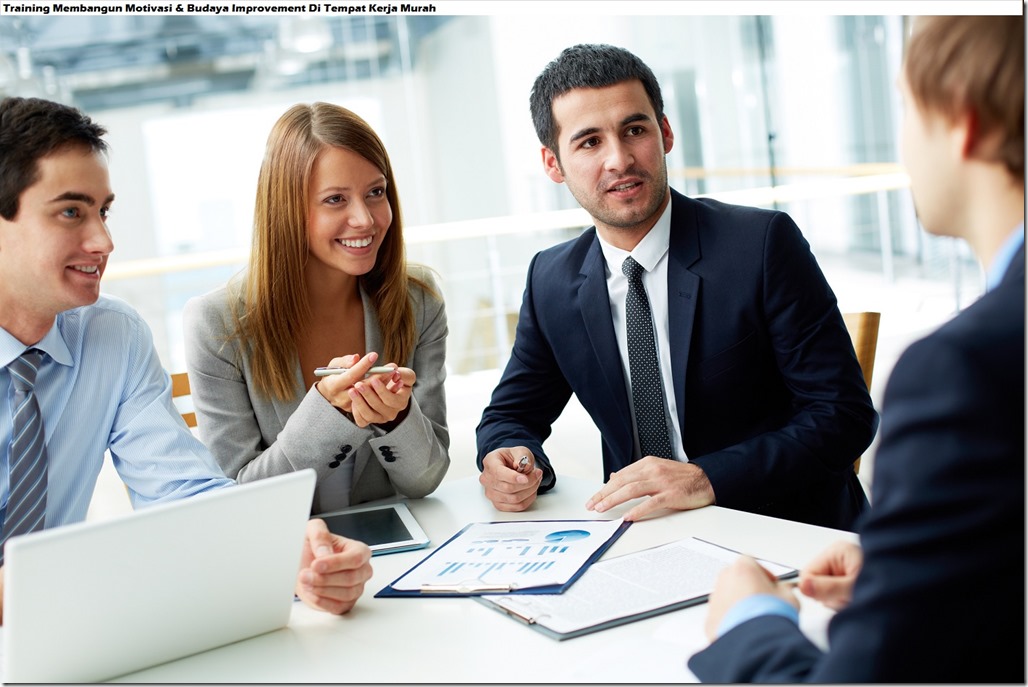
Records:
x=586, y=66
x=31, y=129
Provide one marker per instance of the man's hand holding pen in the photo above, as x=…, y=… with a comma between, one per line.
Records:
x=511, y=478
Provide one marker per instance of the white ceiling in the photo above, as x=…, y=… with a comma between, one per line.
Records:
x=100, y=62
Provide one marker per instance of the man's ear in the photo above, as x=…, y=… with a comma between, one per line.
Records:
x=551, y=165
x=964, y=134
x=971, y=142
x=667, y=134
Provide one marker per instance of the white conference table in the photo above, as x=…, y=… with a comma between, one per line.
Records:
x=452, y=640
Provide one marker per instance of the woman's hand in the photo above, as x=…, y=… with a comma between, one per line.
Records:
x=380, y=399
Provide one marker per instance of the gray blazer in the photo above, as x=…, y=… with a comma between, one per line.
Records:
x=253, y=437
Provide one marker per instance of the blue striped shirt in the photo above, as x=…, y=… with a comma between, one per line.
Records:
x=101, y=386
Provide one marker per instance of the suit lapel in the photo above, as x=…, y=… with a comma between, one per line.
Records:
x=683, y=290
x=594, y=304
x=372, y=342
x=284, y=409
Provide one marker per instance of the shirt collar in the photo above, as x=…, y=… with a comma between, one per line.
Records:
x=1004, y=257
x=648, y=251
x=53, y=344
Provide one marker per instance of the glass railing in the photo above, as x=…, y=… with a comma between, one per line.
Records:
x=482, y=263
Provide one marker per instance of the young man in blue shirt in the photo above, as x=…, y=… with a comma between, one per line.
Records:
x=96, y=376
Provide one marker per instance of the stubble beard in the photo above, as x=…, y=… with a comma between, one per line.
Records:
x=630, y=216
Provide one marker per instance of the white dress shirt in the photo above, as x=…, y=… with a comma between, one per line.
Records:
x=652, y=253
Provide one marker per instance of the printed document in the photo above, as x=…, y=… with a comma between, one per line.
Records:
x=627, y=588
x=508, y=556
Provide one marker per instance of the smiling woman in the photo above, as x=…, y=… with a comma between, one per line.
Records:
x=327, y=284
x=349, y=215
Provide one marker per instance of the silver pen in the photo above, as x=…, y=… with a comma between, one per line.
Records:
x=326, y=371
x=522, y=464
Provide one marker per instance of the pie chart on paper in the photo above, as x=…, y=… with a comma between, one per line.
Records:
x=567, y=535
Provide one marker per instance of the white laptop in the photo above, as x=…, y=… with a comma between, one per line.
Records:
x=95, y=600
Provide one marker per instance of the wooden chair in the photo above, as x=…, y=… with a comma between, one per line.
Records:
x=180, y=388
x=863, y=329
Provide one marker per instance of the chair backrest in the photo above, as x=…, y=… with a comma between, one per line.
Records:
x=863, y=329
x=180, y=388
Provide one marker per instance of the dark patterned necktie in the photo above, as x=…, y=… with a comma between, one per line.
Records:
x=26, y=501
x=644, y=370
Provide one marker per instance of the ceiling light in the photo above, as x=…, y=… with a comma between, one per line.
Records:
x=304, y=35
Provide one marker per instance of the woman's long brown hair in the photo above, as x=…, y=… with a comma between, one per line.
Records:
x=275, y=314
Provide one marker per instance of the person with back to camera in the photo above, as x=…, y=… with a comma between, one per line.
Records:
x=740, y=389
x=935, y=591
x=327, y=285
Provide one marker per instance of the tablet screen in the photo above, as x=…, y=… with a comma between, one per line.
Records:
x=386, y=528
x=382, y=526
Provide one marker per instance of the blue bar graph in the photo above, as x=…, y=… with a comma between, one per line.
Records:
x=483, y=568
x=450, y=567
x=522, y=556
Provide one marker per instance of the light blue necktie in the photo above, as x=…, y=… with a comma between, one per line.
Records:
x=26, y=501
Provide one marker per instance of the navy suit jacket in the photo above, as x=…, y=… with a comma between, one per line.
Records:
x=771, y=400
x=940, y=597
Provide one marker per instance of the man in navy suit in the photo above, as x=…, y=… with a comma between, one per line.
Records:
x=935, y=592
x=763, y=399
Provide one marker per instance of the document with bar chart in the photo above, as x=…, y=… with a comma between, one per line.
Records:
x=537, y=556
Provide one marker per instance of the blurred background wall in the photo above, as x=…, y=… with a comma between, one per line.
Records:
x=796, y=111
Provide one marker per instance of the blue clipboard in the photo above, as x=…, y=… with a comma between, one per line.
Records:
x=444, y=591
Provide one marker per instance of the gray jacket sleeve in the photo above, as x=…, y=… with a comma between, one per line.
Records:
x=254, y=437
x=415, y=455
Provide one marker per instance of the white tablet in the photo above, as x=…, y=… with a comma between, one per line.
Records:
x=385, y=528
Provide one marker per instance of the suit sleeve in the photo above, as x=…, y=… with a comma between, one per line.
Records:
x=532, y=392
x=225, y=410
x=313, y=434
x=940, y=597
x=831, y=419
x=765, y=649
